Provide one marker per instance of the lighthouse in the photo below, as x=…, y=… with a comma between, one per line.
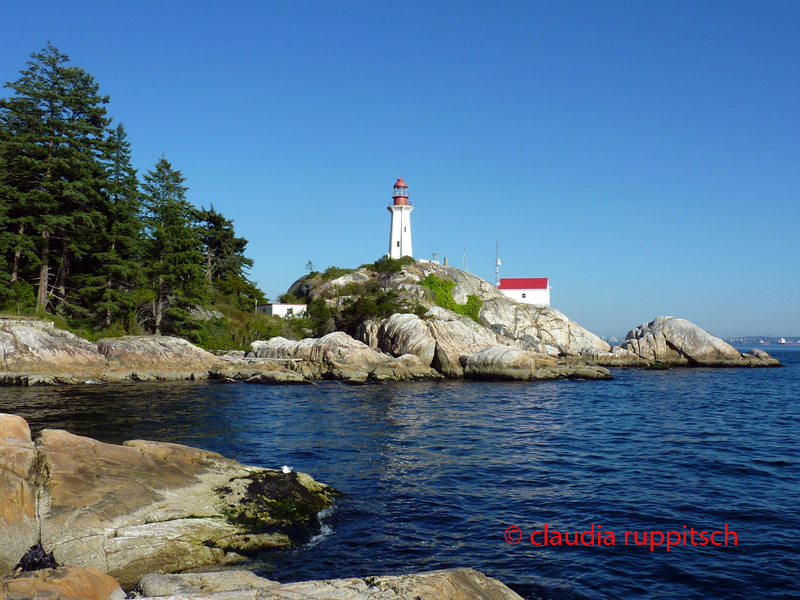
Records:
x=400, y=232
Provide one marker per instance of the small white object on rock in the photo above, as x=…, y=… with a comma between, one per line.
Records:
x=286, y=469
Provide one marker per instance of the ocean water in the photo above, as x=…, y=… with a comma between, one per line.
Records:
x=436, y=472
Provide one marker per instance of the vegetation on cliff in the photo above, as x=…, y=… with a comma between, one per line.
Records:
x=442, y=291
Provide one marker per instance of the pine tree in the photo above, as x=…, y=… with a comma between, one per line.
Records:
x=55, y=132
x=173, y=260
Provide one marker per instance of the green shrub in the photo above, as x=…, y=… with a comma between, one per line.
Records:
x=387, y=264
x=442, y=291
x=406, y=261
x=332, y=273
x=289, y=298
x=18, y=298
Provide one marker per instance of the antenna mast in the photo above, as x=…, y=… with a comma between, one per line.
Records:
x=464, y=261
x=496, y=263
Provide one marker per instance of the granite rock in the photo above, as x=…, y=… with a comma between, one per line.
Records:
x=451, y=584
x=147, y=358
x=37, y=353
x=143, y=506
x=338, y=356
x=63, y=583
x=535, y=324
x=678, y=342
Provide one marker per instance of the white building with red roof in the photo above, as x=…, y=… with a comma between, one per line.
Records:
x=530, y=290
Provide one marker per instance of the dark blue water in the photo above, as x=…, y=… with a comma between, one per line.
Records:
x=436, y=472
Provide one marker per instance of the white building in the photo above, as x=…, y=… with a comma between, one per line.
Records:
x=281, y=310
x=400, y=232
x=529, y=290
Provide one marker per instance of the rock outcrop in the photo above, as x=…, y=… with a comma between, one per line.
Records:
x=438, y=341
x=407, y=334
x=456, y=336
x=450, y=584
x=678, y=342
x=532, y=325
x=143, y=506
x=338, y=356
x=35, y=352
x=512, y=363
x=147, y=358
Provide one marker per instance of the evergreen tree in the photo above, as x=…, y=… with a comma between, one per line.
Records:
x=225, y=262
x=5, y=235
x=173, y=260
x=224, y=252
x=55, y=133
x=115, y=264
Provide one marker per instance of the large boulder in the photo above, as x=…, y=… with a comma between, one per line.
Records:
x=531, y=325
x=338, y=356
x=34, y=352
x=512, y=363
x=232, y=367
x=147, y=358
x=19, y=477
x=678, y=342
x=505, y=362
x=456, y=336
x=407, y=334
x=616, y=357
x=450, y=584
x=143, y=506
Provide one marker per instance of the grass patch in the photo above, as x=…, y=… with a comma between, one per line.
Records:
x=442, y=291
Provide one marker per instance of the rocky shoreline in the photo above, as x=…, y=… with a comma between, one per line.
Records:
x=403, y=347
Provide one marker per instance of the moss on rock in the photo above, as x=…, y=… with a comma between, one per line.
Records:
x=272, y=502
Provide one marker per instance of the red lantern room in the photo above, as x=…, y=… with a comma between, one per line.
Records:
x=400, y=193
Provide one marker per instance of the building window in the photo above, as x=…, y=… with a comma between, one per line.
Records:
x=290, y=312
x=523, y=294
x=398, y=244
x=405, y=229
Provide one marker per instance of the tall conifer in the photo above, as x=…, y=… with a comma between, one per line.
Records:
x=173, y=260
x=57, y=123
x=113, y=268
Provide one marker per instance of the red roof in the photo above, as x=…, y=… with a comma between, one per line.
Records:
x=525, y=283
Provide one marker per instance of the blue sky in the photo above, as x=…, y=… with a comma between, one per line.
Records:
x=645, y=156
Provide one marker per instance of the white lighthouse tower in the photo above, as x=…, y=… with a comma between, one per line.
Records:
x=400, y=232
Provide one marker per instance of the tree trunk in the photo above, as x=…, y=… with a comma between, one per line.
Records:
x=44, y=272
x=159, y=304
x=108, y=298
x=61, y=279
x=17, y=256
x=208, y=264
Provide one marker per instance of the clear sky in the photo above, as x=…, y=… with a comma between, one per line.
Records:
x=645, y=156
